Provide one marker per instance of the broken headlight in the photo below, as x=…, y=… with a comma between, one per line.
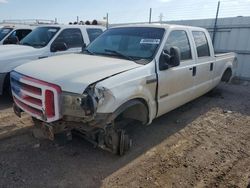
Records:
x=72, y=104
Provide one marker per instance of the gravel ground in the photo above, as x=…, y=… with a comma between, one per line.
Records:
x=205, y=143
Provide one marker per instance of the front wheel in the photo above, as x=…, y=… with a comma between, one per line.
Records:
x=117, y=141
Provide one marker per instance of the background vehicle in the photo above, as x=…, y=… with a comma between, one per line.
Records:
x=42, y=42
x=12, y=34
x=13, y=31
x=128, y=73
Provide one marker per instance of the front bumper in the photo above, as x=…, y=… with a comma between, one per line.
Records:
x=2, y=78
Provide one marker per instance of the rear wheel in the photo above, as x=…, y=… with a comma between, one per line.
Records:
x=227, y=76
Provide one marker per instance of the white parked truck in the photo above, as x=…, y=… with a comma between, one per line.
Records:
x=13, y=31
x=42, y=42
x=12, y=34
x=136, y=72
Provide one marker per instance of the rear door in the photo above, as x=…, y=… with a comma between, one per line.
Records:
x=205, y=63
x=176, y=83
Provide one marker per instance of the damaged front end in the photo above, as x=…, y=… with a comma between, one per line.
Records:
x=80, y=116
x=83, y=106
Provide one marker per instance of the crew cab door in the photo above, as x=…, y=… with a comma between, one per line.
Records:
x=68, y=41
x=205, y=63
x=175, y=83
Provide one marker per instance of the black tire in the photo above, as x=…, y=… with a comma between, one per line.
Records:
x=227, y=76
x=7, y=86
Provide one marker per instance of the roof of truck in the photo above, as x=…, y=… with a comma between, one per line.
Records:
x=18, y=26
x=72, y=26
x=164, y=26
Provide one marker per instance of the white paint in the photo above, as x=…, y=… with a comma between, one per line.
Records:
x=176, y=86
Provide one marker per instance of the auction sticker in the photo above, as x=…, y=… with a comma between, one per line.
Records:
x=52, y=30
x=150, y=41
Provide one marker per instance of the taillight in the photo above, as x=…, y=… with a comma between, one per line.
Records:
x=49, y=103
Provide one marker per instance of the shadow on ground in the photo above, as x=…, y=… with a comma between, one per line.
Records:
x=5, y=102
x=23, y=163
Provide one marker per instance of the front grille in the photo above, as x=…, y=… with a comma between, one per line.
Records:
x=38, y=98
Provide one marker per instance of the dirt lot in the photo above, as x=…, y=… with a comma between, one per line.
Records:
x=205, y=143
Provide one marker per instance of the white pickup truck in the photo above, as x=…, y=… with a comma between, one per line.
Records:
x=42, y=42
x=12, y=34
x=129, y=73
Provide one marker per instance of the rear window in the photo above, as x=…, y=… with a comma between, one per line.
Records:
x=94, y=33
x=201, y=44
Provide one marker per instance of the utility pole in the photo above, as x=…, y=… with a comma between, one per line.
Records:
x=215, y=22
x=160, y=18
x=77, y=19
x=107, y=20
x=150, y=15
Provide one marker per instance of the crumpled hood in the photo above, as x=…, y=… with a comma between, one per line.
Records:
x=10, y=51
x=74, y=72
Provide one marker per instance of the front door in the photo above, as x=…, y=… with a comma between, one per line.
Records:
x=73, y=40
x=175, y=84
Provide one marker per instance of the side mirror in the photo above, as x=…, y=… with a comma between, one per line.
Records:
x=58, y=46
x=171, y=59
x=84, y=47
x=11, y=40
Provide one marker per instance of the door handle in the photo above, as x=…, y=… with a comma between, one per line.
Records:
x=42, y=57
x=211, y=66
x=194, y=71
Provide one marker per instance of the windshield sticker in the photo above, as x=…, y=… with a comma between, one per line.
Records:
x=150, y=41
x=52, y=30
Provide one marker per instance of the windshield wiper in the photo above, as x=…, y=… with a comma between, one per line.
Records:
x=120, y=55
x=89, y=52
x=26, y=44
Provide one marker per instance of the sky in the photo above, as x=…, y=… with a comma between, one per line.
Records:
x=126, y=11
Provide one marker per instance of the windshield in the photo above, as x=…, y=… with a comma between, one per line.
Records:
x=4, y=32
x=138, y=43
x=40, y=37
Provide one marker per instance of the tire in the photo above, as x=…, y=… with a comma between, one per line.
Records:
x=7, y=87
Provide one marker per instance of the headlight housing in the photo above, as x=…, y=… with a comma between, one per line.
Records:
x=72, y=104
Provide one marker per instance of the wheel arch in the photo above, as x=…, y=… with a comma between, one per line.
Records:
x=136, y=108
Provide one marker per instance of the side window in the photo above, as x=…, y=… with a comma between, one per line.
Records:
x=16, y=36
x=71, y=37
x=21, y=33
x=201, y=44
x=179, y=39
x=94, y=33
